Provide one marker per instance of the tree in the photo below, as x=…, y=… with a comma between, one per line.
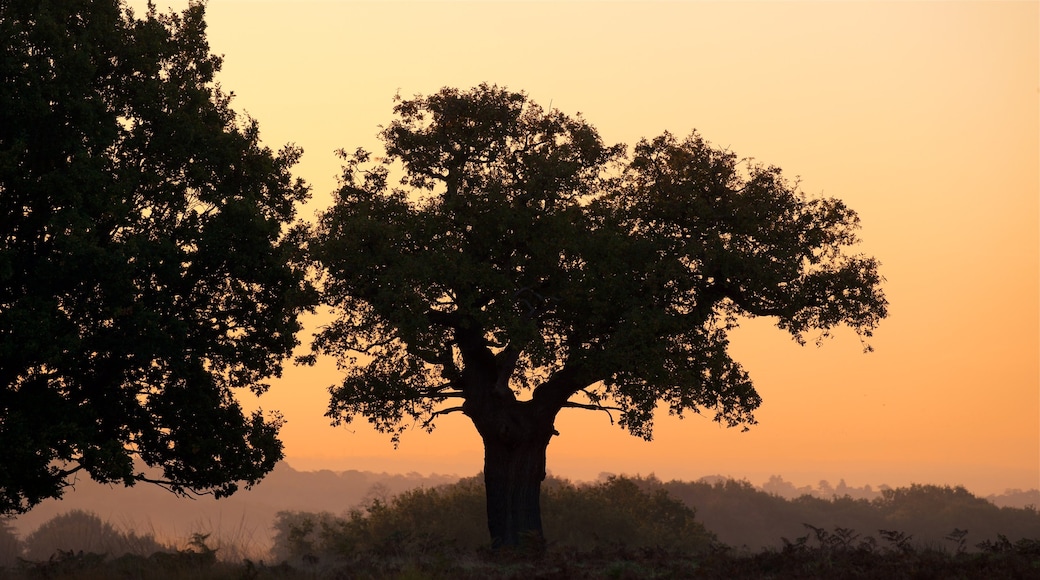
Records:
x=520, y=266
x=85, y=531
x=148, y=267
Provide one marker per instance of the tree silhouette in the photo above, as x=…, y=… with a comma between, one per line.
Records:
x=147, y=265
x=520, y=266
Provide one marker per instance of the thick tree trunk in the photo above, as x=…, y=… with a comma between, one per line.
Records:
x=515, y=434
x=513, y=475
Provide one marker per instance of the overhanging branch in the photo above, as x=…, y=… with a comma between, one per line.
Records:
x=428, y=422
x=588, y=407
x=173, y=487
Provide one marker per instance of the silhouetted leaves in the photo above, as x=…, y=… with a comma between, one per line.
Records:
x=559, y=254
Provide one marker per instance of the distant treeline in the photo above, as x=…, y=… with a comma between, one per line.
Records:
x=777, y=486
x=742, y=515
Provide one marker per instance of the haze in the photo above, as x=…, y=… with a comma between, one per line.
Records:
x=923, y=117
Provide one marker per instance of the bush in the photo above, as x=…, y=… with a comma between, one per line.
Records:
x=619, y=512
x=413, y=522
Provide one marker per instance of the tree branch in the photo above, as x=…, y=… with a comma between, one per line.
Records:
x=432, y=393
x=173, y=487
x=429, y=420
x=597, y=407
x=563, y=384
x=444, y=359
x=67, y=472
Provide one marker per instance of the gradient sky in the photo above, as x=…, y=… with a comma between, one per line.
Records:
x=922, y=116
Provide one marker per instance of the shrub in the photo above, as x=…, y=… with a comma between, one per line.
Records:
x=453, y=517
x=618, y=512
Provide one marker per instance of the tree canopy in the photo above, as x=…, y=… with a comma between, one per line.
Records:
x=512, y=231
x=148, y=265
x=501, y=255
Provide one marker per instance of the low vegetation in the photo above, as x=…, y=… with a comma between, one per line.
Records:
x=618, y=528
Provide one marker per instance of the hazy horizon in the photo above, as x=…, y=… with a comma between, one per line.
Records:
x=246, y=517
x=758, y=479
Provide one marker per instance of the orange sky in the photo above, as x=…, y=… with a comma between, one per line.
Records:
x=921, y=116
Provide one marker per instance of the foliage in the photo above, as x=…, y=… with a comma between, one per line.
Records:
x=147, y=264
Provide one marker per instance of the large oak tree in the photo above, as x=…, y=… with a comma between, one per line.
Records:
x=499, y=260
x=147, y=262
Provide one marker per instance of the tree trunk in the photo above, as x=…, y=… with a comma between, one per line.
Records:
x=515, y=434
x=513, y=475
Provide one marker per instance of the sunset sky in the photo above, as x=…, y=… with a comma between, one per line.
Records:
x=922, y=116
